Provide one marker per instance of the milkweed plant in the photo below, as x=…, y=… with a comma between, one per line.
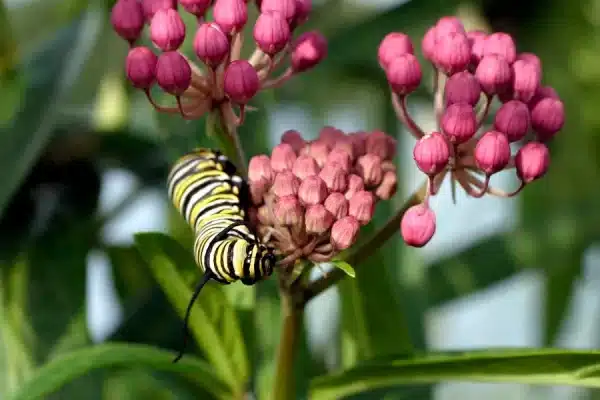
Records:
x=308, y=201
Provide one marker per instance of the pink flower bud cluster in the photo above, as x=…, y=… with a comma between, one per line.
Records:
x=310, y=198
x=222, y=78
x=471, y=70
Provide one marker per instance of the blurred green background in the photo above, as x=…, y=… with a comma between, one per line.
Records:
x=83, y=159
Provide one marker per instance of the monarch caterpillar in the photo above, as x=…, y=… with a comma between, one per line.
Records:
x=206, y=191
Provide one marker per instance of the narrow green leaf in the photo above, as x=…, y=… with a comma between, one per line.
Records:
x=536, y=367
x=213, y=321
x=344, y=266
x=70, y=366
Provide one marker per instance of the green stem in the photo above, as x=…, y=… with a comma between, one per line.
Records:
x=227, y=136
x=369, y=247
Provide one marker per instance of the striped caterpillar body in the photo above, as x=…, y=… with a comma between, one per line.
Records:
x=206, y=191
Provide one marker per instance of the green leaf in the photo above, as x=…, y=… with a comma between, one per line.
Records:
x=50, y=75
x=70, y=366
x=344, y=266
x=213, y=321
x=536, y=367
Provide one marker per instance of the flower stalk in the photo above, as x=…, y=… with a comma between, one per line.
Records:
x=227, y=137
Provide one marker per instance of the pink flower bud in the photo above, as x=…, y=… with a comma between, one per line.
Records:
x=140, y=66
x=492, y=152
x=362, y=206
x=462, y=87
x=319, y=151
x=241, y=81
x=303, y=9
x=345, y=145
x=287, y=8
x=547, y=118
x=294, y=139
x=263, y=215
x=150, y=7
x=452, y=52
x=404, y=74
x=305, y=166
x=431, y=153
x=271, y=32
x=231, y=15
x=459, y=122
x=355, y=185
x=285, y=184
x=341, y=157
x=369, y=167
x=211, y=45
x=494, y=74
x=388, y=186
x=541, y=93
x=173, y=73
x=337, y=205
x=127, y=19
x=428, y=43
x=532, y=161
x=196, y=7
x=167, y=30
x=500, y=44
x=330, y=135
x=312, y=191
x=259, y=168
x=418, y=225
x=282, y=157
x=288, y=211
x=359, y=143
x=477, y=40
x=344, y=232
x=334, y=177
x=317, y=219
x=447, y=25
x=512, y=119
x=532, y=59
x=393, y=45
x=308, y=50
x=526, y=79
x=258, y=189
x=380, y=144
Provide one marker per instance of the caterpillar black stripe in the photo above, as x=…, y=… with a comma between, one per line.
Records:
x=204, y=187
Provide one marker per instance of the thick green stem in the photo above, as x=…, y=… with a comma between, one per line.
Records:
x=355, y=257
x=285, y=385
x=226, y=134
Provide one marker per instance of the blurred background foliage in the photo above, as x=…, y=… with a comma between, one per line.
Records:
x=67, y=115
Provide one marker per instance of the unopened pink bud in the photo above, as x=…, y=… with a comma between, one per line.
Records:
x=231, y=15
x=259, y=168
x=547, y=118
x=271, y=32
x=512, y=119
x=167, y=30
x=241, y=81
x=462, y=87
x=532, y=161
x=447, y=25
x=404, y=74
x=501, y=44
x=362, y=206
x=140, y=66
x=369, y=167
x=258, y=189
x=418, y=225
x=492, y=152
x=127, y=19
x=150, y=7
x=494, y=74
x=305, y=166
x=330, y=135
x=355, y=185
x=285, y=184
x=294, y=139
x=317, y=219
x=388, y=185
x=287, y=8
x=532, y=59
x=196, y=7
x=452, y=52
x=308, y=50
x=319, y=151
x=526, y=79
x=334, y=177
x=477, y=40
x=393, y=45
x=282, y=157
x=345, y=145
x=173, y=73
x=337, y=205
x=211, y=45
x=428, y=44
x=344, y=232
x=380, y=144
x=288, y=211
x=431, y=153
x=459, y=122
x=340, y=157
x=359, y=143
x=303, y=9
x=541, y=93
x=312, y=191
